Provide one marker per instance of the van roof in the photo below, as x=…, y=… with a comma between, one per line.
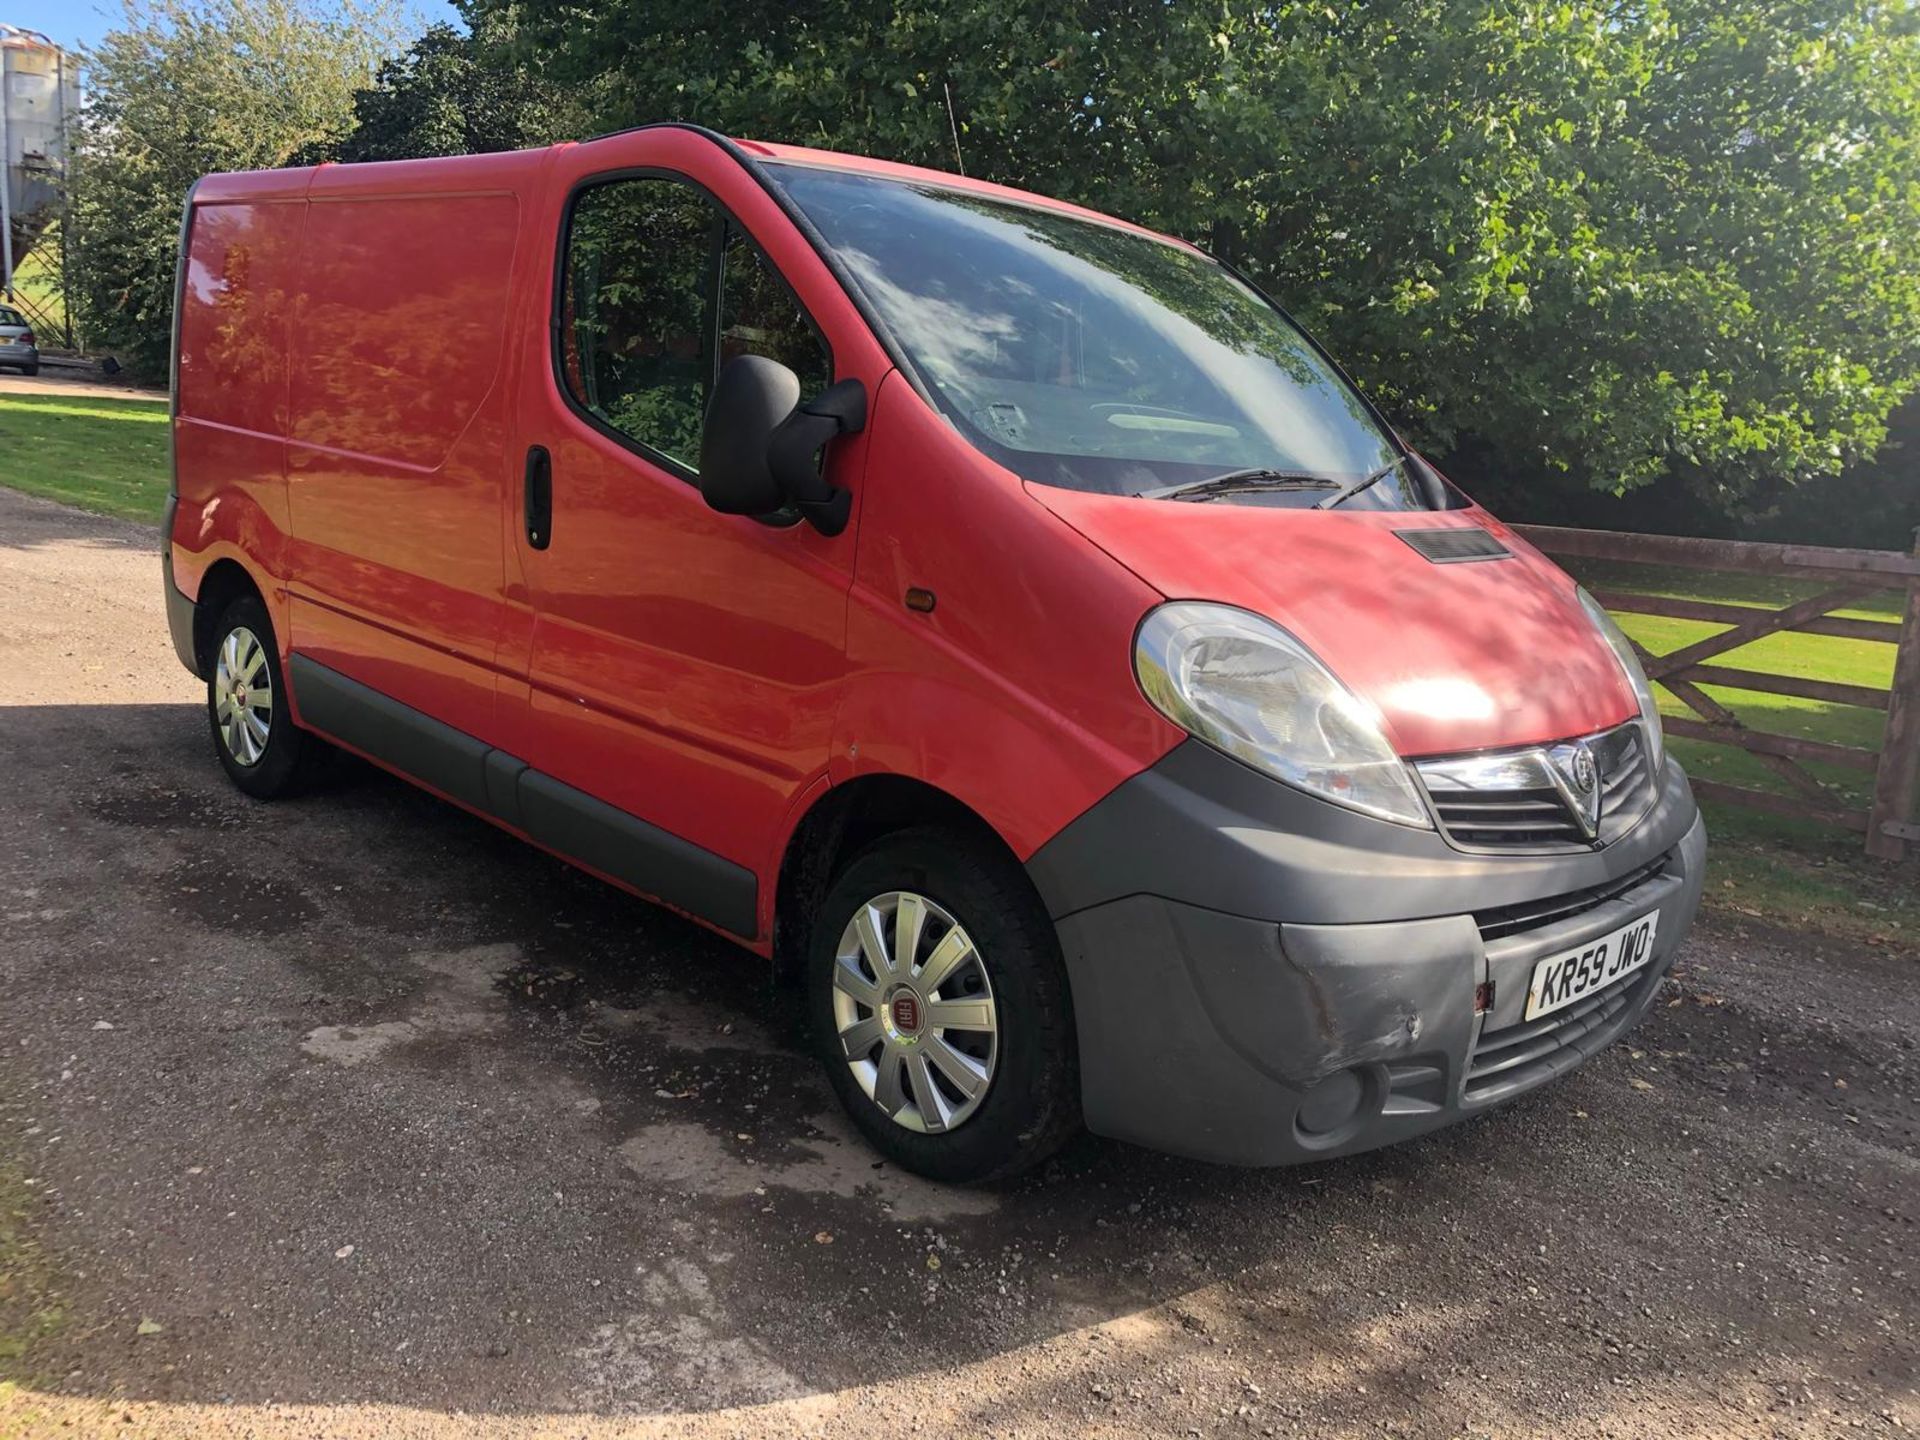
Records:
x=460, y=171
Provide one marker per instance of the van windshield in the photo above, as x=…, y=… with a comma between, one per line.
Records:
x=1084, y=355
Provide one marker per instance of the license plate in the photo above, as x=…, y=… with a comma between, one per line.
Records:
x=1561, y=979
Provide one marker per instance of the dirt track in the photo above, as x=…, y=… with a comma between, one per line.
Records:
x=401, y=1128
x=72, y=381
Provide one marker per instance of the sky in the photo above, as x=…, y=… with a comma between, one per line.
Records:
x=81, y=22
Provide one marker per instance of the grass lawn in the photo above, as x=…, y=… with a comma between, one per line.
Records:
x=110, y=455
x=30, y=1308
x=105, y=454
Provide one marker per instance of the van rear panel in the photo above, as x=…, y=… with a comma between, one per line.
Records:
x=243, y=264
x=242, y=273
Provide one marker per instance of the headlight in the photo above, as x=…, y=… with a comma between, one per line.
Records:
x=1245, y=686
x=1636, y=677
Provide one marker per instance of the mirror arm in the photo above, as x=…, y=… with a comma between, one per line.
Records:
x=840, y=409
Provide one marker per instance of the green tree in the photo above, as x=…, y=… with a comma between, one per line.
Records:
x=455, y=93
x=182, y=88
x=1596, y=243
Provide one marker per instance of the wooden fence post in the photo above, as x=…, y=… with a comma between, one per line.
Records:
x=1890, y=825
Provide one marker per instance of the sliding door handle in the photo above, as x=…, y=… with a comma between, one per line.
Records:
x=537, y=496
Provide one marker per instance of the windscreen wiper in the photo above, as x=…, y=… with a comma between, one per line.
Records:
x=1335, y=501
x=1257, y=478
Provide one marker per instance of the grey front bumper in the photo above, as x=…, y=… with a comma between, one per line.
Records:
x=1261, y=978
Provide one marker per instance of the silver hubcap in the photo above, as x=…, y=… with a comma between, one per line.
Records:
x=914, y=1010
x=243, y=696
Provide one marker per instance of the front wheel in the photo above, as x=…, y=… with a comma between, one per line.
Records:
x=261, y=749
x=941, y=1005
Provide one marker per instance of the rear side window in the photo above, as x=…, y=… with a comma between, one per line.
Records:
x=659, y=288
x=395, y=350
x=243, y=267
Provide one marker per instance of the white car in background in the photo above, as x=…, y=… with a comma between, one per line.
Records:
x=18, y=347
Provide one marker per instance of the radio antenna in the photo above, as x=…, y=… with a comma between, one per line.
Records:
x=954, y=125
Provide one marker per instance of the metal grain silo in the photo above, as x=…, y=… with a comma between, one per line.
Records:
x=39, y=98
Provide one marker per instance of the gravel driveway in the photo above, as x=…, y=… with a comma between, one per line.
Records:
x=393, y=1126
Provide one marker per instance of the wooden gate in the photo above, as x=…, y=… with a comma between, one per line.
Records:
x=1846, y=577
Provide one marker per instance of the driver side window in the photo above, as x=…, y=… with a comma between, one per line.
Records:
x=659, y=289
x=759, y=316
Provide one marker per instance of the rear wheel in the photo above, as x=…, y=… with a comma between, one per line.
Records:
x=261, y=749
x=940, y=1003
x=29, y=370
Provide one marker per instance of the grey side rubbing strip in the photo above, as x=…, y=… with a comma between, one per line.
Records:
x=568, y=821
x=438, y=755
x=638, y=854
x=503, y=772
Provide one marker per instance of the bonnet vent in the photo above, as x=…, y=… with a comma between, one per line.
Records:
x=1451, y=546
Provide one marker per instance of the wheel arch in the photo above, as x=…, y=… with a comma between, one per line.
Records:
x=223, y=582
x=839, y=823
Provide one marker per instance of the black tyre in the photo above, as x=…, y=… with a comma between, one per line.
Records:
x=262, y=750
x=940, y=1005
x=29, y=370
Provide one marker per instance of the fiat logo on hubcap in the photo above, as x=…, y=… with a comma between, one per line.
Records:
x=906, y=1012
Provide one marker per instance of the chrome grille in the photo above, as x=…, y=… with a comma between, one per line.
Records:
x=1524, y=799
x=1625, y=775
x=1518, y=817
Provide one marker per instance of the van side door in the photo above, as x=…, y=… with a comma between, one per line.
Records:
x=399, y=455
x=682, y=667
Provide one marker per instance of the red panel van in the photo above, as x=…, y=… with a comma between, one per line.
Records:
x=999, y=615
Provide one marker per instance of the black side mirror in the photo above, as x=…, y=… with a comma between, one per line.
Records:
x=750, y=399
x=758, y=443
